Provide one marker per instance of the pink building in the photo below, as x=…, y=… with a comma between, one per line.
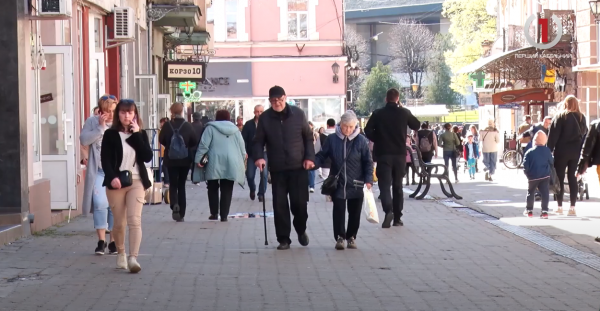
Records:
x=291, y=43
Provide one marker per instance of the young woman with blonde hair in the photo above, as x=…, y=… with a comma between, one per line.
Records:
x=565, y=139
x=94, y=194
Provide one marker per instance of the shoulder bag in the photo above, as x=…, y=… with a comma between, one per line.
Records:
x=125, y=177
x=330, y=184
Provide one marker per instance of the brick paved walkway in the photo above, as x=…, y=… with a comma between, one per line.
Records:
x=441, y=260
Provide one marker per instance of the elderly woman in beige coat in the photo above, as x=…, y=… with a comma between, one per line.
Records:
x=489, y=140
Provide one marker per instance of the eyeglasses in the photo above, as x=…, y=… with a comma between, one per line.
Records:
x=107, y=97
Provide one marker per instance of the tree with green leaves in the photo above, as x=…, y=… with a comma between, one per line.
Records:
x=440, y=75
x=373, y=90
x=470, y=25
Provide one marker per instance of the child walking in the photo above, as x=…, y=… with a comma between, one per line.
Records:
x=471, y=154
x=537, y=164
x=409, y=164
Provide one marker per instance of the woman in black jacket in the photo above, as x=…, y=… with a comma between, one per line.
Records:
x=354, y=174
x=565, y=137
x=125, y=150
x=590, y=155
x=178, y=168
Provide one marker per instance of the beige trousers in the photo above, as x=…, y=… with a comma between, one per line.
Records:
x=126, y=205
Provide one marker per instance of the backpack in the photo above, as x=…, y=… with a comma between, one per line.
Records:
x=177, y=148
x=424, y=143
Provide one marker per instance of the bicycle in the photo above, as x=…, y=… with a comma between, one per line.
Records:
x=513, y=158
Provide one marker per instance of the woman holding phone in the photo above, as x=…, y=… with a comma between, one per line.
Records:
x=124, y=151
x=94, y=194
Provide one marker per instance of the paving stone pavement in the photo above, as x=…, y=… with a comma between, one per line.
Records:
x=440, y=260
x=510, y=186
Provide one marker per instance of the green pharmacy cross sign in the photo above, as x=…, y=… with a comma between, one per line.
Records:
x=189, y=94
x=478, y=76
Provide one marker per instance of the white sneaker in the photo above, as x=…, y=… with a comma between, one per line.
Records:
x=122, y=261
x=133, y=265
x=312, y=190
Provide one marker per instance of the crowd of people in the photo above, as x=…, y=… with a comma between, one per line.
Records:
x=288, y=152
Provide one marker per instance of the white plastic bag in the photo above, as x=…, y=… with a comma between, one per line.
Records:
x=369, y=207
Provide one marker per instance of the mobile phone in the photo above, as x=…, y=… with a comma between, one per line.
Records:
x=131, y=125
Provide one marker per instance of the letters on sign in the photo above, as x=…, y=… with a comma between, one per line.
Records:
x=184, y=71
x=219, y=81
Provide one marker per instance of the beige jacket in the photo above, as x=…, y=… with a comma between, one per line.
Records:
x=489, y=140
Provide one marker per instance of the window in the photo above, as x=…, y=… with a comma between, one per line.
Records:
x=231, y=12
x=297, y=19
x=300, y=103
x=98, y=35
x=326, y=108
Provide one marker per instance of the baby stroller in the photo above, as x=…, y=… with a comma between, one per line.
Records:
x=582, y=188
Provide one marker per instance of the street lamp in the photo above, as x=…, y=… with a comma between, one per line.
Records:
x=336, y=68
x=354, y=71
x=595, y=8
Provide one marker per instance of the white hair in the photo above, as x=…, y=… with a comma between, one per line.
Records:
x=349, y=117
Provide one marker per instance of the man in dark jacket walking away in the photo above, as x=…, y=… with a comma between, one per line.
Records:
x=284, y=130
x=248, y=132
x=387, y=129
x=178, y=136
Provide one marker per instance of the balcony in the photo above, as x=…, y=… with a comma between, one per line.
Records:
x=176, y=13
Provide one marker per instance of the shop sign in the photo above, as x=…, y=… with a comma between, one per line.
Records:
x=210, y=84
x=484, y=99
x=46, y=98
x=523, y=95
x=184, y=71
x=509, y=106
x=188, y=89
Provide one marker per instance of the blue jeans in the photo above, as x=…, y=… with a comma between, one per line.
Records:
x=489, y=160
x=311, y=179
x=251, y=174
x=471, y=164
x=103, y=217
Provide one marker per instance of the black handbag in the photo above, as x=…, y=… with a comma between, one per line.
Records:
x=204, y=160
x=330, y=184
x=125, y=177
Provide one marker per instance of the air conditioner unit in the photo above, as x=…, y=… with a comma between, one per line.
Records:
x=124, y=23
x=50, y=8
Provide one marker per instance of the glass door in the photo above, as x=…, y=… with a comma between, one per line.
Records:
x=57, y=126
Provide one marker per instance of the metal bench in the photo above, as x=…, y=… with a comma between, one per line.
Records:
x=426, y=171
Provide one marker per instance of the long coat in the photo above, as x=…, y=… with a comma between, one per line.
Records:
x=223, y=142
x=90, y=134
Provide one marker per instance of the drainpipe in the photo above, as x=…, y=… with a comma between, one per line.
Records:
x=124, y=71
x=150, y=36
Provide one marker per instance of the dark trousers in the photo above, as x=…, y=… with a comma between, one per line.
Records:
x=166, y=175
x=251, y=175
x=562, y=164
x=427, y=156
x=390, y=173
x=295, y=185
x=214, y=202
x=178, y=177
x=449, y=156
x=339, y=217
x=543, y=186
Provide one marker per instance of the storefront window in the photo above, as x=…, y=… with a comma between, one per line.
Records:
x=209, y=108
x=300, y=103
x=326, y=108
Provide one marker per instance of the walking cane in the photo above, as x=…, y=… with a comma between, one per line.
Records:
x=262, y=182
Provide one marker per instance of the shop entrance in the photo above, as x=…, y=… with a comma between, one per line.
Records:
x=57, y=126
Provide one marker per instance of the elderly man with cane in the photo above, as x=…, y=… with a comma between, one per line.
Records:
x=284, y=130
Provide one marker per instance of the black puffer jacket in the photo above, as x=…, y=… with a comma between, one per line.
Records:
x=359, y=165
x=566, y=135
x=590, y=155
x=287, y=136
x=189, y=136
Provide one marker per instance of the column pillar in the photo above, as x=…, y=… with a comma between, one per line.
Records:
x=14, y=160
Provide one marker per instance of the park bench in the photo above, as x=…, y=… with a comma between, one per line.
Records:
x=426, y=172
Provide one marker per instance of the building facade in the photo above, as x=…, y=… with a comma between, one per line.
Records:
x=61, y=56
x=259, y=44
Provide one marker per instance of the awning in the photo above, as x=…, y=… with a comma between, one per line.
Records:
x=478, y=64
x=429, y=111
